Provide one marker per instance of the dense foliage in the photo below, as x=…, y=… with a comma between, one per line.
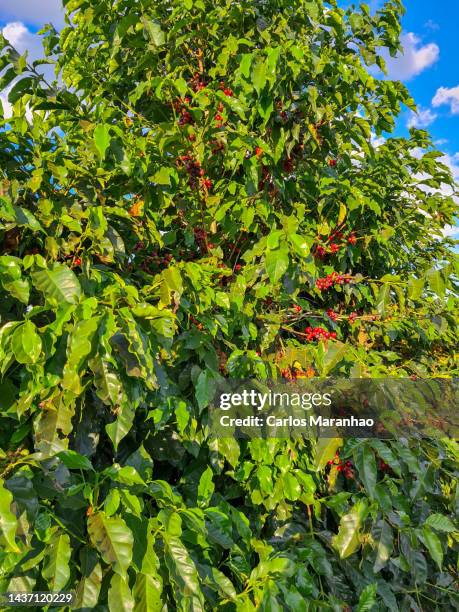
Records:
x=199, y=195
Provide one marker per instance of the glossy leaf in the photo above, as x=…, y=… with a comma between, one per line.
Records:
x=113, y=539
x=56, y=568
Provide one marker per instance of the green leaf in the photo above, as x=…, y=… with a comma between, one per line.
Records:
x=20, y=216
x=80, y=347
x=126, y=475
x=56, y=568
x=366, y=465
x=121, y=425
x=439, y=522
x=271, y=64
x=112, y=502
x=58, y=284
x=415, y=288
x=74, y=461
x=206, y=487
x=182, y=570
x=163, y=176
x=300, y=245
x=147, y=593
x=141, y=460
x=436, y=282
x=26, y=343
x=433, y=545
x=172, y=285
x=265, y=479
x=416, y=562
x=245, y=64
x=386, y=455
x=155, y=34
x=291, y=487
x=259, y=74
x=205, y=389
x=102, y=138
x=276, y=263
x=224, y=586
x=367, y=599
x=385, y=542
x=88, y=589
x=272, y=240
x=8, y=522
x=106, y=381
x=334, y=354
x=325, y=451
x=383, y=299
x=347, y=541
x=113, y=539
x=119, y=595
x=19, y=289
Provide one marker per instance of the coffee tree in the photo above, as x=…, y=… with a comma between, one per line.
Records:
x=199, y=195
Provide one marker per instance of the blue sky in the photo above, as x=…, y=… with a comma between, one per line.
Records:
x=436, y=87
x=429, y=66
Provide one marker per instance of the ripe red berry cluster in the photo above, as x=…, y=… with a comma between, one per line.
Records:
x=181, y=106
x=334, y=247
x=155, y=260
x=297, y=308
x=342, y=466
x=320, y=251
x=200, y=235
x=352, y=317
x=226, y=90
x=352, y=239
x=331, y=280
x=318, y=333
x=332, y=314
x=195, y=171
x=196, y=83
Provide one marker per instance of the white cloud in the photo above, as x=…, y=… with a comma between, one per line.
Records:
x=36, y=12
x=451, y=231
x=7, y=110
x=448, y=96
x=422, y=119
x=377, y=141
x=453, y=162
x=431, y=25
x=22, y=40
x=414, y=59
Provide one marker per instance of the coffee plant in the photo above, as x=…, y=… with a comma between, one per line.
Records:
x=199, y=194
